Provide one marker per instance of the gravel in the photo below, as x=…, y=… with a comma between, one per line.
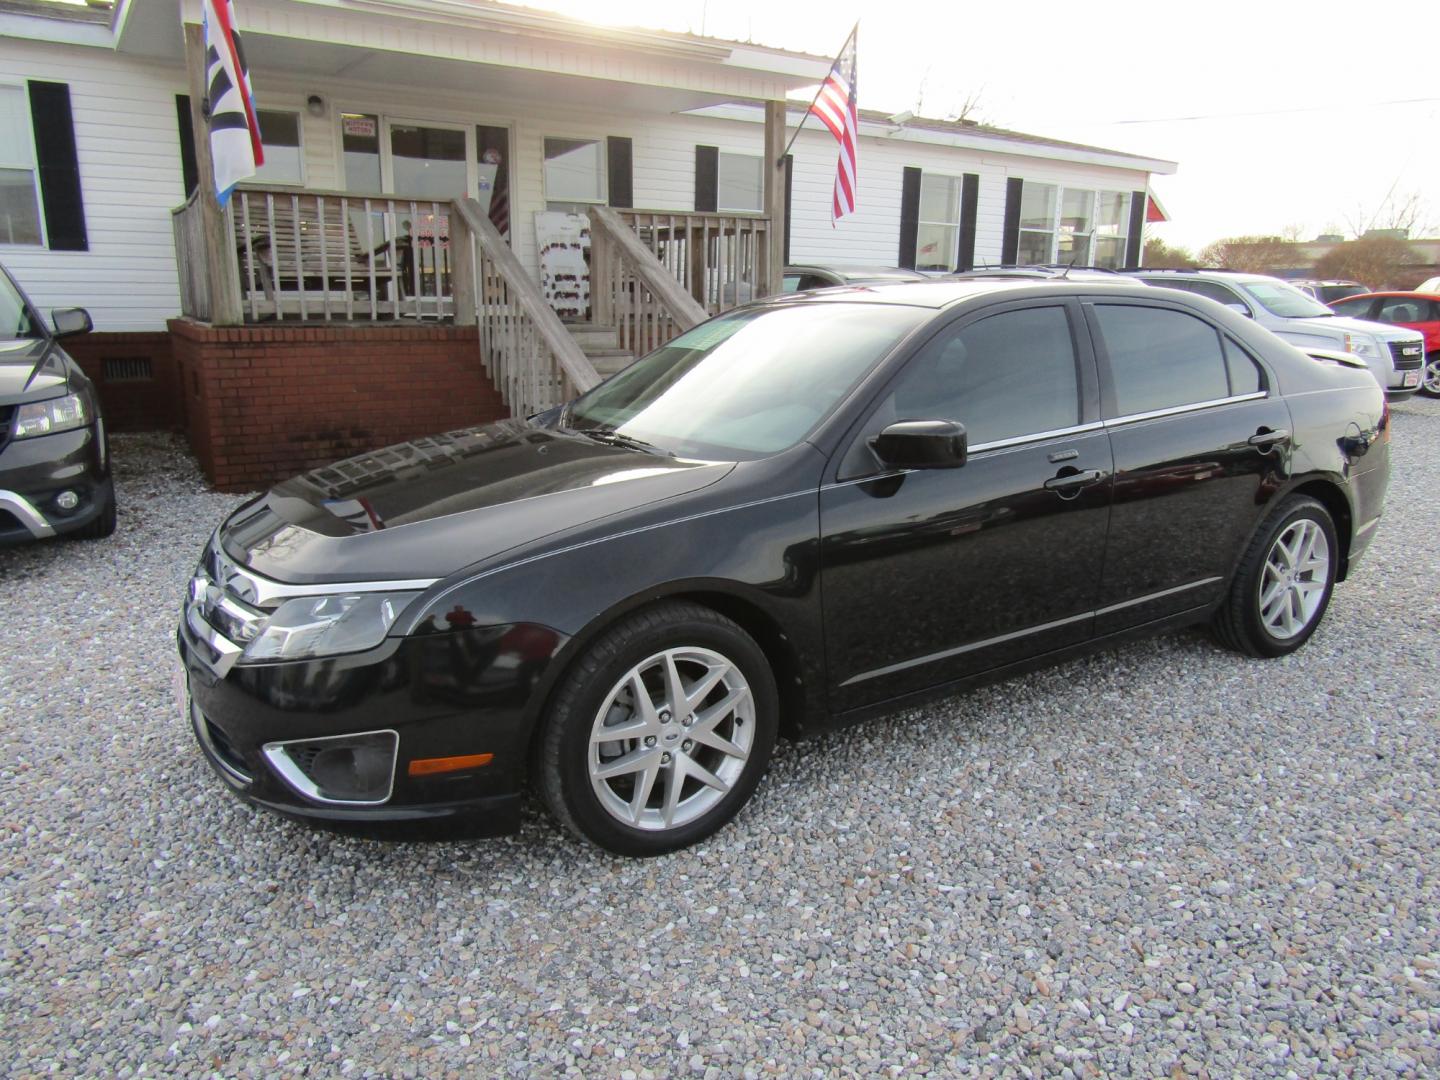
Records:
x=1163, y=860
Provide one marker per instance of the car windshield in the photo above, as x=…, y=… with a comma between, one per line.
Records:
x=1331, y=293
x=744, y=385
x=1284, y=300
x=15, y=319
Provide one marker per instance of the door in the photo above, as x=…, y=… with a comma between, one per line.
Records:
x=1199, y=444
x=933, y=575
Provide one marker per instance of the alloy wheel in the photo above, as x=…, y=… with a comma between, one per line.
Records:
x=1295, y=578
x=671, y=738
x=1430, y=381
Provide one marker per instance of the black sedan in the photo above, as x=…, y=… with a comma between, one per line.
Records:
x=54, y=457
x=798, y=514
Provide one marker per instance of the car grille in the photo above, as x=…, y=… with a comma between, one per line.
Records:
x=1408, y=355
x=219, y=621
x=7, y=414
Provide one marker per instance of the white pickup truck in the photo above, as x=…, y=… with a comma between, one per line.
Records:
x=1395, y=355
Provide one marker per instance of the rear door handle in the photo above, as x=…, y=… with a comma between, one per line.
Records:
x=1068, y=481
x=1266, y=439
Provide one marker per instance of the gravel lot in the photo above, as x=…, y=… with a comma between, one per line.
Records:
x=1163, y=860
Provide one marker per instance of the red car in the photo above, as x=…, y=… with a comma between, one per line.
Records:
x=1417, y=310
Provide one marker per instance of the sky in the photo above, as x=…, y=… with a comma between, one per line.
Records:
x=1284, y=119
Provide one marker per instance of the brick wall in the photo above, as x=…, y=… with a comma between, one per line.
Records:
x=135, y=375
x=266, y=402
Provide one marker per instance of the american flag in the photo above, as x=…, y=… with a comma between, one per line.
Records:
x=835, y=106
x=235, y=145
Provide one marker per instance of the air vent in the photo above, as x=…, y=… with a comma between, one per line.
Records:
x=127, y=369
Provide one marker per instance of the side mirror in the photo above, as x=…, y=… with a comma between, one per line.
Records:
x=921, y=444
x=1235, y=305
x=70, y=321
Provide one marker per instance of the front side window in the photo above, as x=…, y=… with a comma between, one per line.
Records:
x=1356, y=309
x=1161, y=359
x=937, y=240
x=746, y=384
x=15, y=319
x=1402, y=310
x=280, y=136
x=741, y=183
x=1006, y=376
x=19, y=206
x=574, y=172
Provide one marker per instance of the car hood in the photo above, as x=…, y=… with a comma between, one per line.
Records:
x=424, y=509
x=1344, y=324
x=30, y=369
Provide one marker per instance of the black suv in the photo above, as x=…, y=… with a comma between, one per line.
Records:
x=54, y=461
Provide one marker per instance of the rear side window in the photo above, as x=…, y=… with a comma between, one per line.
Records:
x=1160, y=359
x=1402, y=310
x=1005, y=376
x=1245, y=376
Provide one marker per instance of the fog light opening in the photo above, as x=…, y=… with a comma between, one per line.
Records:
x=356, y=770
x=67, y=501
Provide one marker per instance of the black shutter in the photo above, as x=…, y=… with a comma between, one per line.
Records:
x=969, y=201
x=789, y=202
x=909, y=216
x=189, y=170
x=619, y=156
x=1010, y=242
x=59, y=169
x=707, y=178
x=1133, y=242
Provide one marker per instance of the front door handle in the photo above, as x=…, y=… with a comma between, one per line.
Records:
x=1264, y=440
x=1072, y=480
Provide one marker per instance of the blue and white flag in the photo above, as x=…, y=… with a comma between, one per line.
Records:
x=235, y=147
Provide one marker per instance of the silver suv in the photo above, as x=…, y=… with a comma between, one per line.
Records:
x=1394, y=354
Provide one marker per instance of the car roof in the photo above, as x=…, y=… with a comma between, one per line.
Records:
x=854, y=271
x=940, y=293
x=1391, y=292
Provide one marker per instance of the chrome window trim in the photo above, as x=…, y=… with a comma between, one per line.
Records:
x=1177, y=410
x=279, y=760
x=1039, y=436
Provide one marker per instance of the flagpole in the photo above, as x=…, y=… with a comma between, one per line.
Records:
x=818, y=92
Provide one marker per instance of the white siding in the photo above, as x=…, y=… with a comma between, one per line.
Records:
x=130, y=171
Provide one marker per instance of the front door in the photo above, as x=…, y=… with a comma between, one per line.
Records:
x=1200, y=443
x=933, y=575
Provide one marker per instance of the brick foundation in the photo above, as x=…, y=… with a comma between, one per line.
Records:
x=135, y=375
x=266, y=402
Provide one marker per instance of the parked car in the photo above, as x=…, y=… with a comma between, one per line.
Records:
x=1048, y=271
x=1429, y=285
x=1415, y=310
x=1394, y=355
x=805, y=278
x=620, y=600
x=54, y=459
x=1329, y=290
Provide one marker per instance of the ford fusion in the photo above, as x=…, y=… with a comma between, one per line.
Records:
x=803, y=512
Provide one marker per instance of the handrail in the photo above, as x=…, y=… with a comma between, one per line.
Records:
x=531, y=357
x=681, y=306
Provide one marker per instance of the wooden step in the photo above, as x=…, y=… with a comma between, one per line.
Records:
x=587, y=335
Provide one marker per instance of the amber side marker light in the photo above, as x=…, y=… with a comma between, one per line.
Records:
x=431, y=765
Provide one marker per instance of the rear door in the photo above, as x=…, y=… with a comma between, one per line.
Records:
x=1200, y=440
x=932, y=575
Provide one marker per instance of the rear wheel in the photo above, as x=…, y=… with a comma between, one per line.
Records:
x=1283, y=585
x=1430, y=380
x=660, y=732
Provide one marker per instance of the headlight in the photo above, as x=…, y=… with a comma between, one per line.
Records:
x=311, y=626
x=1363, y=345
x=48, y=417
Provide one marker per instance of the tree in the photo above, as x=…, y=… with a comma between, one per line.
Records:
x=1161, y=256
x=1405, y=213
x=1381, y=262
x=1253, y=254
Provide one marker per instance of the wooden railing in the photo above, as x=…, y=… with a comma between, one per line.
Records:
x=530, y=356
x=632, y=290
x=326, y=255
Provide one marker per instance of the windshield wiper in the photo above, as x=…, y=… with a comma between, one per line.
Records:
x=614, y=438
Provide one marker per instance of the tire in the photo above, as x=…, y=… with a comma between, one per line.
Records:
x=1273, y=608
x=1430, y=379
x=621, y=793
x=102, y=526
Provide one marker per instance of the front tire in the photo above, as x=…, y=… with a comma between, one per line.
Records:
x=1283, y=585
x=102, y=526
x=661, y=731
x=1430, y=380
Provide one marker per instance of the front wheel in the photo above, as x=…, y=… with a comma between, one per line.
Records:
x=1430, y=381
x=660, y=732
x=1284, y=581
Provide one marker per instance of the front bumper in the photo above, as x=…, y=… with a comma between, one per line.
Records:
x=444, y=695
x=34, y=471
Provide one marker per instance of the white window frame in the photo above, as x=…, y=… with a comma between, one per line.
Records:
x=953, y=256
x=1095, y=193
x=299, y=115
x=387, y=156
x=23, y=85
x=720, y=156
x=603, y=143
